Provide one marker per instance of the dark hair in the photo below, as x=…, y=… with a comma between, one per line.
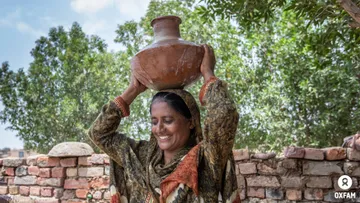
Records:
x=174, y=101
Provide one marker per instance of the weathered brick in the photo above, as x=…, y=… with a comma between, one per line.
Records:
x=46, y=191
x=13, y=190
x=58, y=172
x=292, y=182
x=4, y=190
x=352, y=168
x=314, y=154
x=46, y=200
x=1, y=162
x=335, y=153
x=74, y=201
x=106, y=159
x=274, y=193
x=100, y=183
x=91, y=172
x=24, y=190
x=31, y=160
x=256, y=192
x=313, y=194
x=25, y=180
x=33, y=170
x=22, y=199
x=107, y=195
x=84, y=161
x=10, y=171
x=289, y=163
x=58, y=193
x=13, y=162
x=54, y=182
x=262, y=181
x=35, y=190
x=97, y=195
x=336, y=185
x=107, y=170
x=241, y=154
x=97, y=159
x=68, y=194
x=319, y=182
x=68, y=162
x=247, y=168
x=267, y=168
x=322, y=168
x=240, y=181
x=71, y=172
x=81, y=193
x=242, y=194
x=263, y=156
x=330, y=197
x=10, y=180
x=21, y=171
x=293, y=195
x=353, y=154
x=48, y=161
x=294, y=152
x=81, y=183
x=45, y=172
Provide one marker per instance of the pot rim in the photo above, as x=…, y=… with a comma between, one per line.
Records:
x=177, y=18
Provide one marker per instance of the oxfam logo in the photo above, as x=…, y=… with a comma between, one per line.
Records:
x=345, y=182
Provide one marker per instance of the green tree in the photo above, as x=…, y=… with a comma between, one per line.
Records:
x=62, y=91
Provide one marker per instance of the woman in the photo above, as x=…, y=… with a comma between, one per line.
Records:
x=181, y=162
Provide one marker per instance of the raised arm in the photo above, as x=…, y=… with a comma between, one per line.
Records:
x=221, y=117
x=103, y=130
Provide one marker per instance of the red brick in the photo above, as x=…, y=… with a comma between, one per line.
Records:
x=24, y=190
x=4, y=190
x=241, y=154
x=81, y=183
x=33, y=170
x=74, y=201
x=256, y=192
x=35, y=190
x=335, y=153
x=107, y=160
x=58, y=172
x=46, y=191
x=293, y=194
x=54, y=182
x=1, y=162
x=84, y=161
x=247, y=168
x=48, y=161
x=46, y=200
x=81, y=193
x=100, y=183
x=44, y=172
x=10, y=171
x=68, y=162
x=68, y=194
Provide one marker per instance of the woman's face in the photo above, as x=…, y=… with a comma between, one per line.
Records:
x=170, y=128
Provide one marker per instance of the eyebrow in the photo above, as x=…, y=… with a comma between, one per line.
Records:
x=162, y=117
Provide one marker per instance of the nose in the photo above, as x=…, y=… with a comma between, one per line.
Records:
x=159, y=128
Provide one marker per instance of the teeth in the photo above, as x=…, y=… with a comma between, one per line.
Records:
x=163, y=137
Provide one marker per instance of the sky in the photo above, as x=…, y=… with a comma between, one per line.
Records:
x=22, y=22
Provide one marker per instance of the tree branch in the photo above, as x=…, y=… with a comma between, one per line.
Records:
x=351, y=8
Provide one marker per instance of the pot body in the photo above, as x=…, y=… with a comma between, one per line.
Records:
x=169, y=62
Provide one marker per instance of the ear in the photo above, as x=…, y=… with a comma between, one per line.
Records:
x=191, y=126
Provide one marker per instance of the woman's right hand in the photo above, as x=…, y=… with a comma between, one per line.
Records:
x=133, y=90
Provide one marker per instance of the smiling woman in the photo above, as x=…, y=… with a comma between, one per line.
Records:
x=181, y=162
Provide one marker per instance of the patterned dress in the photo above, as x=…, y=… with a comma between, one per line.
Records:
x=203, y=171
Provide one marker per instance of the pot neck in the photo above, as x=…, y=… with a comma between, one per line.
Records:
x=166, y=28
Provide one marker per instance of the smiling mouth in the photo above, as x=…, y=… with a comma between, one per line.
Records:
x=163, y=137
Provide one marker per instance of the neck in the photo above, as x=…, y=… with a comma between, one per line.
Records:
x=169, y=156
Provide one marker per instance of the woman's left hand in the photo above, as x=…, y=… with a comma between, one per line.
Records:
x=208, y=63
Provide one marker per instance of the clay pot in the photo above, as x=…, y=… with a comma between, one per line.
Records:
x=169, y=62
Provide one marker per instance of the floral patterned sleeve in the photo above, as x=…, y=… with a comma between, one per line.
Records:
x=219, y=125
x=103, y=133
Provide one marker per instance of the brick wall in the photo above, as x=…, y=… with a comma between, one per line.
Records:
x=302, y=175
